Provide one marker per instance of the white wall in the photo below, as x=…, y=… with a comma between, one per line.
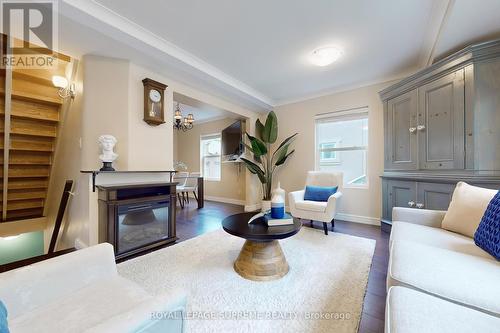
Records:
x=175, y=153
x=105, y=109
x=149, y=147
x=358, y=204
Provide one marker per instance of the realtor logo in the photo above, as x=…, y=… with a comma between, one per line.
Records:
x=31, y=30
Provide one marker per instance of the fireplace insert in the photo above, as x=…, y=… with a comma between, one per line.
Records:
x=136, y=217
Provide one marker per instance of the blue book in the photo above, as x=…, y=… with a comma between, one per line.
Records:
x=286, y=220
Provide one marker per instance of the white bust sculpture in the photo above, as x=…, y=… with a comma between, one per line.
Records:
x=107, y=143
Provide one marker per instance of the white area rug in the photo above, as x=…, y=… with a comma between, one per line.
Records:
x=328, y=277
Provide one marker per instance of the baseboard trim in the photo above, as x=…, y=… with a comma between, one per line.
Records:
x=351, y=218
x=225, y=200
x=358, y=219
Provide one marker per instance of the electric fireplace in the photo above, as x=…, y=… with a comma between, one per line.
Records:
x=136, y=217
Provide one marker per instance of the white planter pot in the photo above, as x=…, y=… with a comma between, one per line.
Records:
x=265, y=205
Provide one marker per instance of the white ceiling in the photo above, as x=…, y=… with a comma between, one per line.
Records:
x=469, y=21
x=264, y=43
x=254, y=51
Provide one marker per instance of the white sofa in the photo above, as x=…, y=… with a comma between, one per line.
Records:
x=82, y=292
x=315, y=210
x=437, y=280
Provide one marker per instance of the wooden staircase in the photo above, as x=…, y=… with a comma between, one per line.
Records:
x=30, y=134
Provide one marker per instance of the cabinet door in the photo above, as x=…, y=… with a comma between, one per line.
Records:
x=402, y=132
x=441, y=123
x=434, y=196
x=401, y=194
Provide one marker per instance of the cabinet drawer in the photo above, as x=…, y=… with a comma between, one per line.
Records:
x=413, y=194
x=399, y=194
x=434, y=196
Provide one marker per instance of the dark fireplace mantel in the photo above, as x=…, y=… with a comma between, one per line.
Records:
x=135, y=217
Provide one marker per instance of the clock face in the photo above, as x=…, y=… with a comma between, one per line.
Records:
x=154, y=95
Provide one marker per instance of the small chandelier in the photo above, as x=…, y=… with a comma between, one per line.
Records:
x=180, y=124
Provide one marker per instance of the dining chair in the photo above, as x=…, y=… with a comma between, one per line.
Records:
x=191, y=185
x=181, y=179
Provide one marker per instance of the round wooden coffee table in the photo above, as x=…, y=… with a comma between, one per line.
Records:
x=261, y=258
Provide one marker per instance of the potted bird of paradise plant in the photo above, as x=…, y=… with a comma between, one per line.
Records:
x=264, y=161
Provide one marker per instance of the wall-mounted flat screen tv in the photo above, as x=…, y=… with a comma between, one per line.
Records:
x=232, y=144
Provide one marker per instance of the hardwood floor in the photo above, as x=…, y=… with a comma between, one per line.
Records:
x=192, y=222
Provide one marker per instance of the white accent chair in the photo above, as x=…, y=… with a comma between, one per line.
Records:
x=82, y=292
x=314, y=210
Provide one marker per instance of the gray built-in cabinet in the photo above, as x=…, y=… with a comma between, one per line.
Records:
x=442, y=125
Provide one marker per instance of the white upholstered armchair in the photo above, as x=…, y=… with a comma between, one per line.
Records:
x=315, y=210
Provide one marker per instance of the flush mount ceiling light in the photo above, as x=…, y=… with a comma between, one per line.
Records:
x=324, y=56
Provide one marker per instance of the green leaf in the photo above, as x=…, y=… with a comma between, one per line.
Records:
x=285, y=143
x=282, y=160
x=287, y=140
x=259, y=129
x=270, y=133
x=258, y=147
x=248, y=147
x=279, y=154
x=255, y=169
x=257, y=158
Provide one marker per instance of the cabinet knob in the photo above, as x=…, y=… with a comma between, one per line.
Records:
x=420, y=205
x=412, y=129
x=411, y=203
x=420, y=127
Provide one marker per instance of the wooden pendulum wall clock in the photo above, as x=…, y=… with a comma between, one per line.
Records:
x=154, y=96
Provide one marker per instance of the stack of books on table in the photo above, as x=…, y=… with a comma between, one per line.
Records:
x=286, y=220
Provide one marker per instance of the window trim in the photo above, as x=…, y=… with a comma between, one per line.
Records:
x=343, y=115
x=202, y=156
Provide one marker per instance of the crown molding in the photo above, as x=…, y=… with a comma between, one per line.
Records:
x=115, y=20
x=342, y=89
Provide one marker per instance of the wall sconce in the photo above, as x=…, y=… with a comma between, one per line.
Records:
x=65, y=89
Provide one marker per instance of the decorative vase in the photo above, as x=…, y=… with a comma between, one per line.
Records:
x=280, y=192
x=265, y=206
x=277, y=206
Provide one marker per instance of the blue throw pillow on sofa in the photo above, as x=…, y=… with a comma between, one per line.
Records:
x=3, y=319
x=487, y=235
x=319, y=193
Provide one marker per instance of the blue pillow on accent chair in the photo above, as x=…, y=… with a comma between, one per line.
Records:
x=319, y=193
x=487, y=235
x=3, y=319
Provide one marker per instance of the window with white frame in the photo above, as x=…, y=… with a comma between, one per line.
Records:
x=342, y=145
x=210, y=156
